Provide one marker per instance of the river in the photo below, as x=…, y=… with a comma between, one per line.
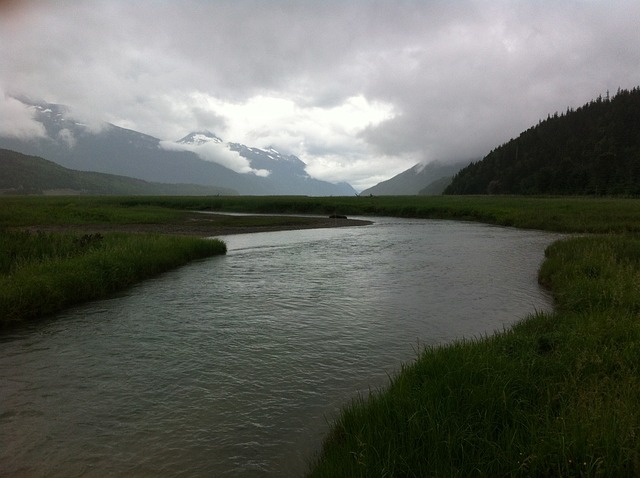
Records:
x=233, y=366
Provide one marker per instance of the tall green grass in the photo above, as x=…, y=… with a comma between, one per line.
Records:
x=556, y=395
x=62, y=210
x=42, y=273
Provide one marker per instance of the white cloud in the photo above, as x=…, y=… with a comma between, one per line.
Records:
x=217, y=153
x=357, y=167
x=17, y=120
x=324, y=137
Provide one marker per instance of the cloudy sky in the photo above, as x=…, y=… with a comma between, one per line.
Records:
x=360, y=90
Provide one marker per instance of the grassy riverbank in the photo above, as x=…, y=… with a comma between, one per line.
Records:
x=42, y=273
x=556, y=395
x=59, y=251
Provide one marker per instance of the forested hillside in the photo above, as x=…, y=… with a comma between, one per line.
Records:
x=593, y=150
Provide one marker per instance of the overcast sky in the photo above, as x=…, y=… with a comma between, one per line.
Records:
x=360, y=90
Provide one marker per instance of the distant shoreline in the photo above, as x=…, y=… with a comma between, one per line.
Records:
x=203, y=225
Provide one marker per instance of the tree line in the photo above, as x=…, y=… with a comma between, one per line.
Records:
x=592, y=150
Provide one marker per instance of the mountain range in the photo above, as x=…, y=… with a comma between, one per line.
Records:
x=200, y=158
x=592, y=150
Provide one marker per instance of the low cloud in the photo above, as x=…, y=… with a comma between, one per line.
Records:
x=67, y=137
x=217, y=153
x=17, y=120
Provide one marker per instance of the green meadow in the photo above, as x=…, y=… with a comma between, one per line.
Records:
x=554, y=395
x=559, y=213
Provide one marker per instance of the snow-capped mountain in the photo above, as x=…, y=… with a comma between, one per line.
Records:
x=115, y=150
x=286, y=172
x=198, y=138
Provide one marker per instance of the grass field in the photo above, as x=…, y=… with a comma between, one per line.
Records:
x=559, y=214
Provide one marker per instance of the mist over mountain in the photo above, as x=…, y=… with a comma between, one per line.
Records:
x=199, y=158
x=285, y=172
x=429, y=179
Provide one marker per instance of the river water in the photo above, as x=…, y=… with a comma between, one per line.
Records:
x=233, y=366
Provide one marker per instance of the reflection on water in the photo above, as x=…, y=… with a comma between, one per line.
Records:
x=231, y=366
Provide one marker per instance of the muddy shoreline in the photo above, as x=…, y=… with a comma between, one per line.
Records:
x=208, y=225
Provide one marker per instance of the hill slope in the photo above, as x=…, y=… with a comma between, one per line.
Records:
x=416, y=179
x=22, y=174
x=594, y=149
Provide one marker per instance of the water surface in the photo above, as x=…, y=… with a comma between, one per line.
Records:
x=232, y=366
